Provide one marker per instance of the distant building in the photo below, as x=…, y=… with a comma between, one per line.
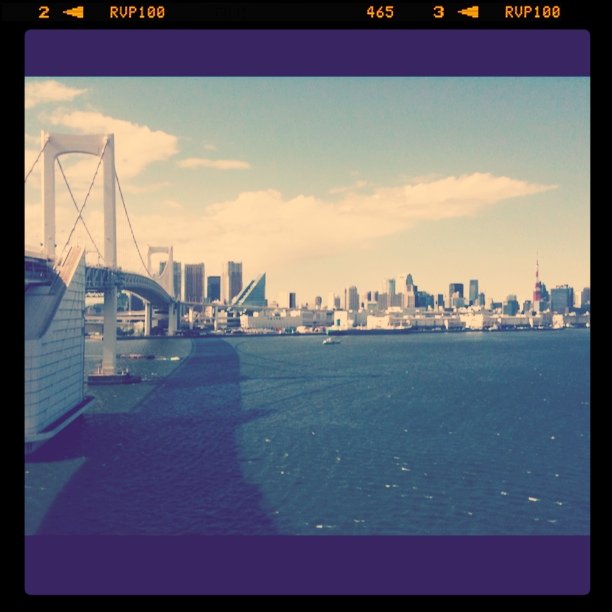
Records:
x=545, y=298
x=353, y=298
x=473, y=295
x=424, y=299
x=481, y=299
x=135, y=302
x=510, y=306
x=411, y=296
x=254, y=294
x=231, y=281
x=562, y=299
x=527, y=306
x=390, y=287
x=213, y=288
x=292, y=300
x=123, y=301
x=194, y=283
x=372, y=296
x=398, y=300
x=585, y=298
x=455, y=291
x=318, y=302
x=440, y=300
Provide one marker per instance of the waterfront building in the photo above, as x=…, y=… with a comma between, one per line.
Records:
x=562, y=299
x=545, y=299
x=455, y=291
x=253, y=294
x=390, y=287
x=231, y=281
x=473, y=294
x=353, y=298
x=585, y=298
x=510, y=305
x=194, y=283
x=424, y=299
x=213, y=288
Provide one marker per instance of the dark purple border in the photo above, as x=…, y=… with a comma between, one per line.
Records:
x=304, y=565
x=307, y=52
x=478, y=565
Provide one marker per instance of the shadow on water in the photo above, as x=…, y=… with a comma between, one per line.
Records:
x=170, y=466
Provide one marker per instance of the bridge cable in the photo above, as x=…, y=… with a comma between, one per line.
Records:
x=85, y=200
x=77, y=208
x=130, y=225
x=36, y=160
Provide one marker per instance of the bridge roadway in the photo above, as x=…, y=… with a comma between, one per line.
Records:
x=99, y=277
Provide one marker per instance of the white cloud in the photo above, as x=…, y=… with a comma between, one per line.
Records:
x=217, y=164
x=266, y=229
x=136, y=146
x=42, y=92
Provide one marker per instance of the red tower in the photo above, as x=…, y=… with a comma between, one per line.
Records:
x=537, y=291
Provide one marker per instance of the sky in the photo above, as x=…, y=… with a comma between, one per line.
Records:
x=324, y=183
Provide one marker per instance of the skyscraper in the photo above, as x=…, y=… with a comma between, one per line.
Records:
x=353, y=298
x=562, y=299
x=389, y=287
x=473, y=291
x=194, y=283
x=585, y=298
x=411, y=296
x=232, y=281
x=455, y=295
x=292, y=300
x=254, y=294
x=510, y=305
x=213, y=288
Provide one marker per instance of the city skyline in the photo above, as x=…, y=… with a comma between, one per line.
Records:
x=325, y=184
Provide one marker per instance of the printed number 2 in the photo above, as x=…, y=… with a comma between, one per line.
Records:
x=438, y=12
x=43, y=12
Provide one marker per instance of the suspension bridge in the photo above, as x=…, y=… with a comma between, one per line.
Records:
x=56, y=285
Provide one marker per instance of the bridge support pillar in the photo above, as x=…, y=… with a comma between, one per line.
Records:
x=172, y=316
x=109, y=348
x=148, y=320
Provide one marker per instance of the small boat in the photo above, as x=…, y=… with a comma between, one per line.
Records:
x=331, y=341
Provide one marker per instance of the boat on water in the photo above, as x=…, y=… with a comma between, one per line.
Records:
x=331, y=341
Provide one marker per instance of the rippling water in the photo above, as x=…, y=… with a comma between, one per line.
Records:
x=480, y=433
